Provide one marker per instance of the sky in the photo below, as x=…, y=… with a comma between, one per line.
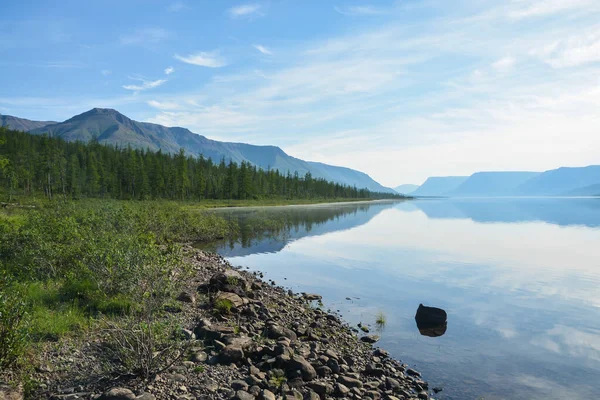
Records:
x=399, y=89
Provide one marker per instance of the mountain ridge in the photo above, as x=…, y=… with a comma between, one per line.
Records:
x=109, y=126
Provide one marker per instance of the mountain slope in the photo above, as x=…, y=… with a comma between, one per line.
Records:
x=111, y=127
x=556, y=182
x=22, y=124
x=439, y=185
x=406, y=188
x=492, y=184
x=591, y=190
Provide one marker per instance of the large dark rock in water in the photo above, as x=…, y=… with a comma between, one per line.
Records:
x=431, y=321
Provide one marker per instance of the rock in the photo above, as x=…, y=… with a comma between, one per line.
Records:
x=392, y=384
x=423, y=395
x=311, y=396
x=277, y=331
x=231, y=354
x=239, y=385
x=370, y=339
x=350, y=382
x=311, y=296
x=235, y=300
x=117, y=394
x=266, y=395
x=146, y=396
x=341, y=390
x=373, y=394
x=306, y=369
x=187, y=297
x=431, y=321
x=321, y=388
x=228, y=278
x=243, y=395
x=412, y=372
x=199, y=357
x=436, y=390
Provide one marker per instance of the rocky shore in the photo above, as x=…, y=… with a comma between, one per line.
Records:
x=268, y=343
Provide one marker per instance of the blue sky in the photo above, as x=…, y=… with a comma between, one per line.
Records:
x=402, y=89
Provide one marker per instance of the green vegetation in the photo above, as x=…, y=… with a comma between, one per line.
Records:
x=223, y=306
x=53, y=168
x=380, y=321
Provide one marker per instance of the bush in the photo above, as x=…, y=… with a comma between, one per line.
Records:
x=13, y=326
x=143, y=346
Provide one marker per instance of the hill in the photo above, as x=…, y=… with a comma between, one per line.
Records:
x=492, y=184
x=439, y=185
x=406, y=188
x=22, y=124
x=108, y=126
x=559, y=181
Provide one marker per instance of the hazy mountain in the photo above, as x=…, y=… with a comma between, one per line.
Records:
x=439, y=185
x=592, y=190
x=559, y=181
x=406, y=188
x=22, y=124
x=492, y=184
x=111, y=127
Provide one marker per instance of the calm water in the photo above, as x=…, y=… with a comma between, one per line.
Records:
x=520, y=280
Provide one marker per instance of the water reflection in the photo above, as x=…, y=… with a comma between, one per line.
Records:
x=431, y=321
x=520, y=280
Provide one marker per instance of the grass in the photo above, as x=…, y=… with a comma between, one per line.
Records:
x=223, y=306
x=380, y=320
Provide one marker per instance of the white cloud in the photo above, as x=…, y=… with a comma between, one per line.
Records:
x=169, y=70
x=572, y=51
x=145, y=85
x=203, y=59
x=359, y=10
x=163, y=105
x=538, y=8
x=106, y=72
x=244, y=10
x=143, y=37
x=177, y=6
x=263, y=49
x=504, y=63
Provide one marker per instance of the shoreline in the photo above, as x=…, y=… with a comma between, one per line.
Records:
x=271, y=344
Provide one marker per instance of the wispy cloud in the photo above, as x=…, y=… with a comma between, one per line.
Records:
x=504, y=63
x=244, y=10
x=263, y=49
x=169, y=70
x=64, y=64
x=164, y=105
x=203, y=59
x=359, y=10
x=148, y=36
x=145, y=84
x=177, y=6
x=572, y=51
x=106, y=72
x=538, y=8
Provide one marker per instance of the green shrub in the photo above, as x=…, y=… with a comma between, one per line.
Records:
x=223, y=306
x=13, y=326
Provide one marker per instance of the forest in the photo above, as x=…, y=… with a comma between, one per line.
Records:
x=54, y=168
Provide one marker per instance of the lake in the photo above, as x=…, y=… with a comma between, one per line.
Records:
x=519, y=279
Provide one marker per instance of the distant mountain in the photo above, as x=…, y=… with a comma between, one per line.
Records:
x=439, y=185
x=559, y=181
x=111, y=127
x=592, y=190
x=492, y=184
x=406, y=188
x=22, y=124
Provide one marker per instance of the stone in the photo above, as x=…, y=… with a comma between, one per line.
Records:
x=10, y=393
x=243, y=395
x=233, y=298
x=322, y=388
x=146, y=396
x=267, y=395
x=311, y=296
x=341, y=390
x=392, y=384
x=239, y=385
x=231, y=354
x=187, y=297
x=307, y=370
x=370, y=338
x=117, y=394
x=350, y=382
x=199, y=357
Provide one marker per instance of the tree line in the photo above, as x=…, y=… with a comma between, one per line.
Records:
x=41, y=165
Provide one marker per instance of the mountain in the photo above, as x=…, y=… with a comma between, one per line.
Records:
x=591, y=190
x=108, y=126
x=439, y=185
x=22, y=124
x=406, y=188
x=559, y=181
x=492, y=184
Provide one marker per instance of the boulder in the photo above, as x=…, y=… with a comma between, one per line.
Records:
x=370, y=339
x=231, y=354
x=306, y=369
x=117, y=394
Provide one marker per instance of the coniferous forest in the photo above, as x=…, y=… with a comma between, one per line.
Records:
x=52, y=167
